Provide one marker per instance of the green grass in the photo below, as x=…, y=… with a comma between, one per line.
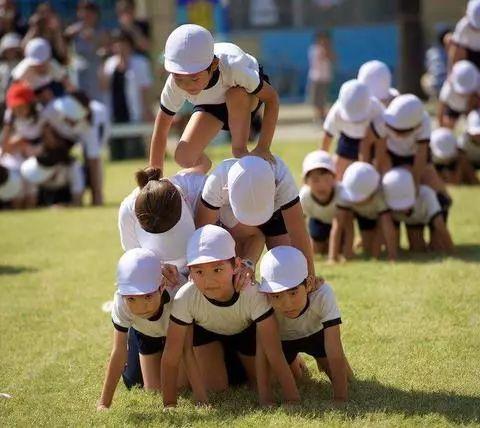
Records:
x=411, y=330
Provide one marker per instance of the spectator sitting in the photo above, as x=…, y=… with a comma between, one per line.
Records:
x=138, y=30
x=42, y=73
x=88, y=40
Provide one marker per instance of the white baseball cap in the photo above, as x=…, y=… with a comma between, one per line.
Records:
x=139, y=271
x=316, y=160
x=34, y=172
x=209, y=244
x=10, y=41
x=443, y=144
x=399, y=189
x=251, y=190
x=404, y=112
x=360, y=181
x=38, y=51
x=171, y=246
x=68, y=107
x=473, y=122
x=473, y=13
x=354, y=101
x=12, y=187
x=376, y=75
x=281, y=269
x=188, y=50
x=464, y=77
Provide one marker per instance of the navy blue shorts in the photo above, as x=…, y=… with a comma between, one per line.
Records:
x=347, y=147
x=243, y=342
x=148, y=345
x=313, y=345
x=400, y=160
x=220, y=111
x=318, y=230
x=275, y=226
x=365, y=224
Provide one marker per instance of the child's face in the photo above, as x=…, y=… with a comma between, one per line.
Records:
x=22, y=110
x=289, y=303
x=144, y=305
x=195, y=83
x=41, y=69
x=321, y=183
x=214, y=279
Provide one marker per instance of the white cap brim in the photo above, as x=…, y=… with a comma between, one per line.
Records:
x=173, y=67
x=401, y=204
x=319, y=165
x=254, y=220
x=133, y=290
x=275, y=287
x=462, y=90
x=206, y=259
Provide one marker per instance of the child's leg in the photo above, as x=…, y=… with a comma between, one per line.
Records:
x=368, y=237
x=239, y=105
x=431, y=178
x=416, y=239
x=467, y=171
x=200, y=130
x=212, y=366
x=341, y=164
x=248, y=363
x=320, y=247
x=323, y=366
x=275, y=241
x=150, y=365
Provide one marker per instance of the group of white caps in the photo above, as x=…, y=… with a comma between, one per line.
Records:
x=38, y=51
x=282, y=268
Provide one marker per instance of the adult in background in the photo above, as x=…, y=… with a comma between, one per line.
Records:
x=87, y=40
x=10, y=55
x=45, y=23
x=320, y=60
x=137, y=29
x=436, y=64
x=10, y=20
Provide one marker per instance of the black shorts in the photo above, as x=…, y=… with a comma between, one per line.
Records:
x=347, y=147
x=275, y=226
x=318, y=230
x=451, y=113
x=243, y=342
x=313, y=345
x=406, y=160
x=365, y=224
x=220, y=111
x=473, y=56
x=148, y=345
x=440, y=167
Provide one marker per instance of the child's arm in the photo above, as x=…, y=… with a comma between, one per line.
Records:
x=115, y=367
x=338, y=227
x=440, y=112
x=365, y=148
x=171, y=358
x=420, y=161
x=267, y=330
x=295, y=225
x=193, y=372
x=389, y=234
x=442, y=235
x=326, y=142
x=269, y=97
x=262, y=368
x=163, y=122
x=336, y=362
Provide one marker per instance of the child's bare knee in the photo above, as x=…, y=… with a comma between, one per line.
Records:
x=182, y=157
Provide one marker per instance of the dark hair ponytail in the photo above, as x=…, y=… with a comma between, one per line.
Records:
x=150, y=173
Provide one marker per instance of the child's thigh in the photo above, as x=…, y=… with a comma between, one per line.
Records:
x=275, y=241
x=341, y=164
x=210, y=359
x=248, y=363
x=150, y=365
x=200, y=130
x=368, y=237
x=431, y=178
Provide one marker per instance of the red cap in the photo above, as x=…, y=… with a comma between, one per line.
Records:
x=18, y=94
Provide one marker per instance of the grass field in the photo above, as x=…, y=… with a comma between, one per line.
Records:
x=411, y=329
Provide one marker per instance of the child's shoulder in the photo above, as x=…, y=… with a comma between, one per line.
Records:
x=186, y=291
x=128, y=203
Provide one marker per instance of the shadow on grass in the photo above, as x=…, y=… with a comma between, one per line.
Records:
x=366, y=396
x=15, y=270
x=465, y=252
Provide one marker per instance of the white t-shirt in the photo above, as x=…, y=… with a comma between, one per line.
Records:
x=236, y=67
x=67, y=175
x=138, y=77
x=472, y=150
x=335, y=125
x=132, y=235
x=215, y=191
x=314, y=209
x=123, y=318
x=227, y=318
x=407, y=146
x=92, y=136
x=30, y=128
x=425, y=209
x=322, y=311
x=370, y=210
x=452, y=99
x=23, y=71
x=320, y=66
x=466, y=36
